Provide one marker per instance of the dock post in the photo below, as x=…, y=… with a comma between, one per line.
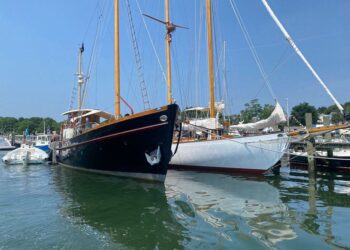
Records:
x=54, y=160
x=13, y=139
x=310, y=146
x=327, y=122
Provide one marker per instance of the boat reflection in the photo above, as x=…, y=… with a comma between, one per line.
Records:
x=317, y=203
x=132, y=214
x=233, y=206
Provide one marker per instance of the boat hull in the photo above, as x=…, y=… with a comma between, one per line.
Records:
x=7, y=148
x=255, y=154
x=43, y=148
x=120, y=148
x=25, y=155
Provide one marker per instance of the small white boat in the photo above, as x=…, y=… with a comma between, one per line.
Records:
x=5, y=144
x=25, y=155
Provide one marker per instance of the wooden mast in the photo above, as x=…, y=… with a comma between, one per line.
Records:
x=210, y=60
x=168, y=57
x=116, y=59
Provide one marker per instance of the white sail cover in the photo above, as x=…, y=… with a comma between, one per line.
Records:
x=276, y=117
x=209, y=123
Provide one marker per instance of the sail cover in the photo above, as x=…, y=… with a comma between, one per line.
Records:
x=209, y=123
x=276, y=117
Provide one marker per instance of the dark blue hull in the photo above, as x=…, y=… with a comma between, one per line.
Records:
x=121, y=147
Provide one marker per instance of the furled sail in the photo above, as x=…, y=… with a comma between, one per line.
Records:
x=209, y=123
x=276, y=117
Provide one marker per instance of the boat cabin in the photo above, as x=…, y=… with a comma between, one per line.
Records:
x=79, y=121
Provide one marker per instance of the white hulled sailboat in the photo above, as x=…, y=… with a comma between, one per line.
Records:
x=252, y=154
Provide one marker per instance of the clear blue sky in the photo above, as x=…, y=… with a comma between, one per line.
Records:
x=40, y=40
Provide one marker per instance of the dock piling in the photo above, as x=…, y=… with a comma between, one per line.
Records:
x=310, y=145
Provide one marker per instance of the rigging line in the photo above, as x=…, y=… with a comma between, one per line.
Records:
x=151, y=40
x=91, y=18
x=279, y=63
x=198, y=53
x=91, y=63
x=217, y=78
x=297, y=50
x=93, y=54
x=177, y=69
x=229, y=109
x=73, y=94
x=217, y=70
x=139, y=65
x=94, y=50
x=251, y=47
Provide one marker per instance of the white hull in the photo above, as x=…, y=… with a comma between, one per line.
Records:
x=255, y=154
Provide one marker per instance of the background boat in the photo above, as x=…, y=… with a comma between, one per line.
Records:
x=5, y=144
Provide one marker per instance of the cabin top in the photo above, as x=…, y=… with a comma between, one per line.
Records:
x=84, y=113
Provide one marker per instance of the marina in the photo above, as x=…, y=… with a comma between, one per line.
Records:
x=175, y=125
x=47, y=206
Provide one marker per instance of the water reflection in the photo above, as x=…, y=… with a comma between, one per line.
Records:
x=234, y=207
x=133, y=214
x=209, y=211
x=315, y=203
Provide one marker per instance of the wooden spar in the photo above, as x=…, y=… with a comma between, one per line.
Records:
x=210, y=60
x=116, y=59
x=168, y=56
x=302, y=57
x=321, y=130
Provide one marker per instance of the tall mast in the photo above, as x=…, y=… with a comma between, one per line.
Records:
x=80, y=74
x=168, y=57
x=210, y=60
x=116, y=59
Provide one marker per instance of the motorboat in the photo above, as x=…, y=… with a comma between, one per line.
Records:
x=5, y=144
x=25, y=155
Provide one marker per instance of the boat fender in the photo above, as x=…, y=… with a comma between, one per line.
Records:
x=154, y=156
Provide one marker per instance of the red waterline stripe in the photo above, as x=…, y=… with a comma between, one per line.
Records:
x=115, y=135
x=218, y=170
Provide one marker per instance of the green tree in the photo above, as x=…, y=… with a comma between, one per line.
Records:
x=266, y=111
x=34, y=124
x=336, y=115
x=252, y=109
x=322, y=110
x=7, y=124
x=300, y=110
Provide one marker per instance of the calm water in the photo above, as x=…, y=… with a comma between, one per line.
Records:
x=49, y=207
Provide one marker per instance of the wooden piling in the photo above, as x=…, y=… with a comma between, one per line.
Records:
x=327, y=122
x=310, y=145
x=54, y=159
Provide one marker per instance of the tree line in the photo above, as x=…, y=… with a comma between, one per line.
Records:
x=254, y=111
x=33, y=125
